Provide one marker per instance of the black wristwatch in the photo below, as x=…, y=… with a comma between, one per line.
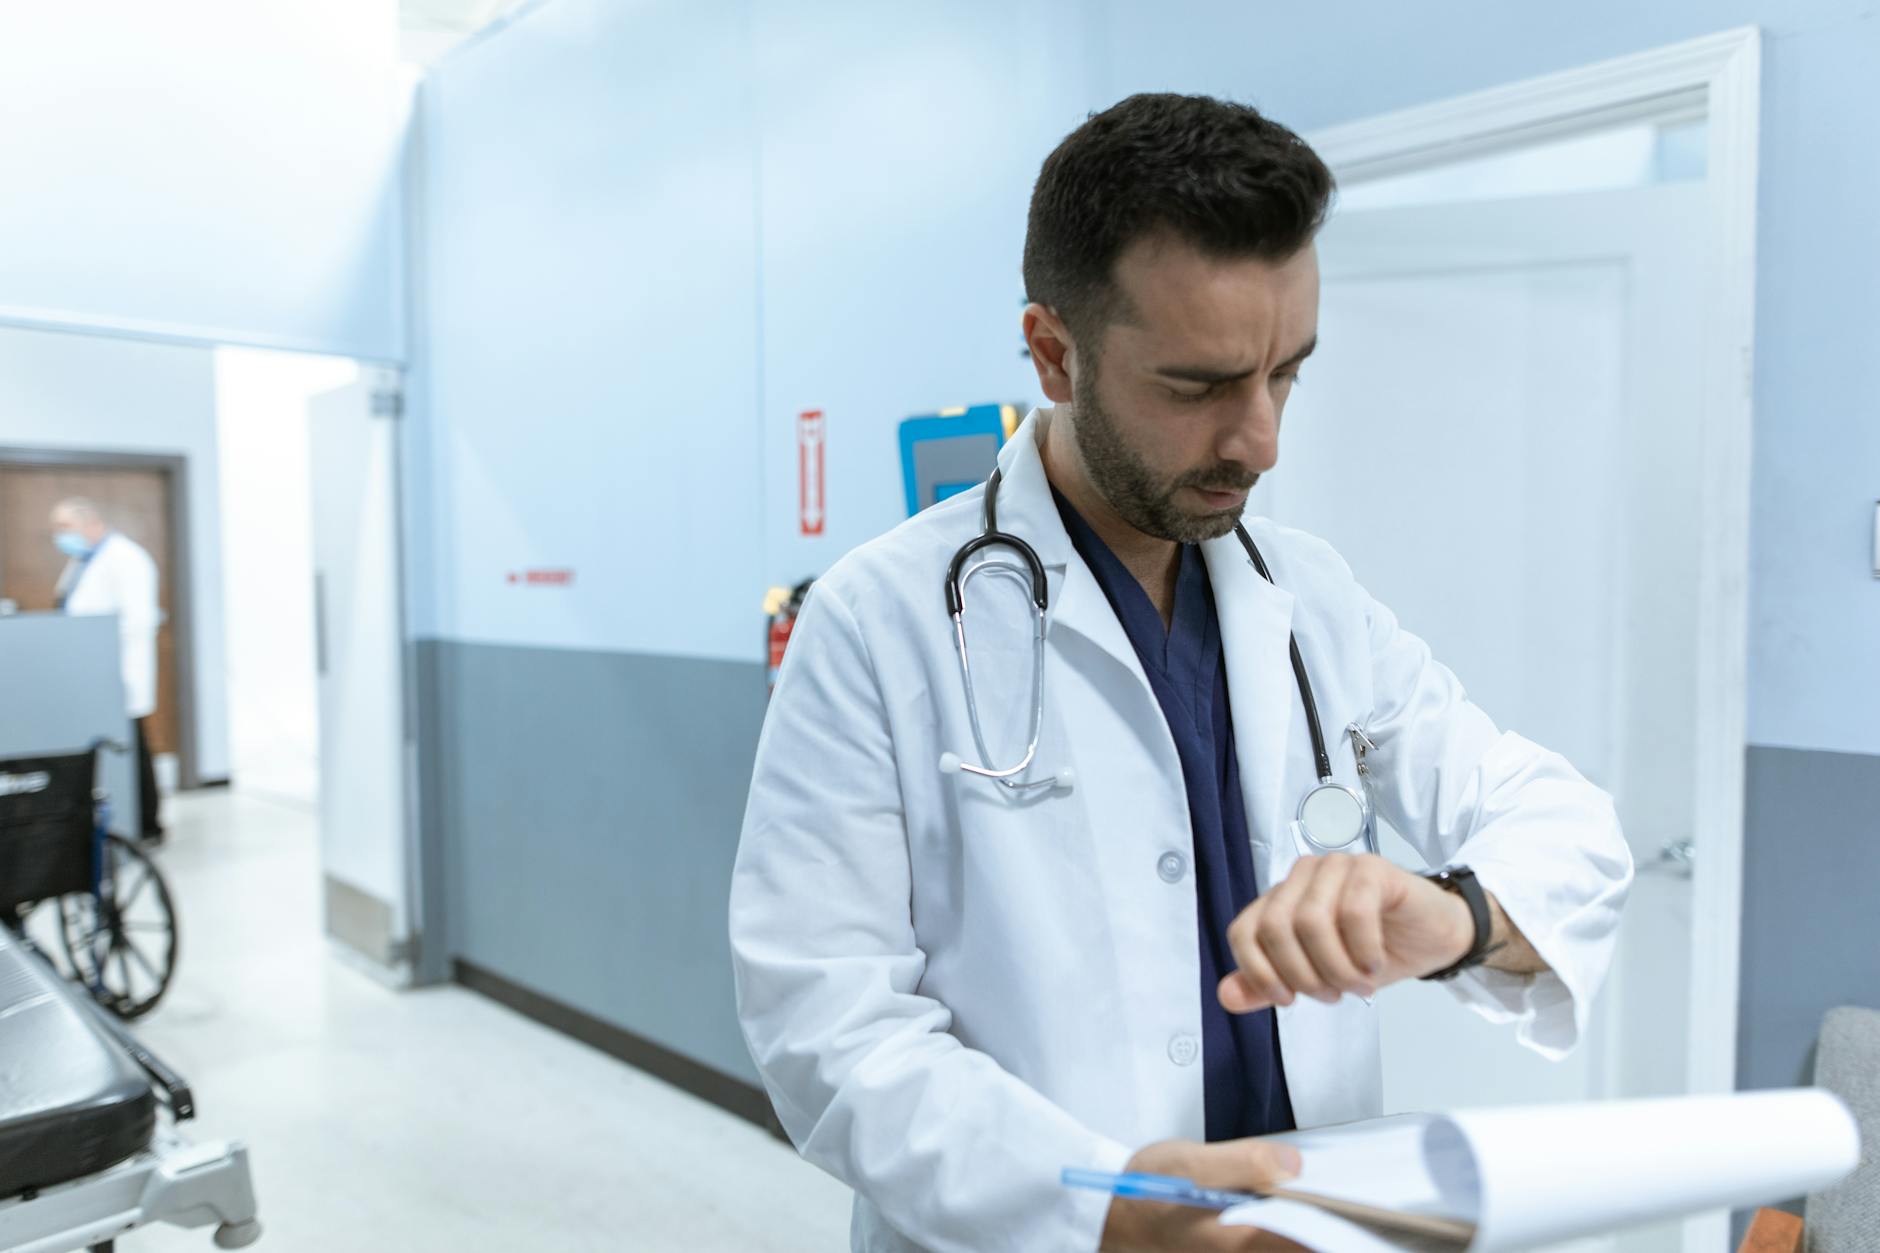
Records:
x=1461, y=880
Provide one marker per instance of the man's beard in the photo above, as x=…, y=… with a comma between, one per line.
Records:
x=1132, y=489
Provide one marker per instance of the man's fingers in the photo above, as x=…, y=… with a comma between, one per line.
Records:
x=1250, y=1165
x=1255, y=985
x=1238, y=995
x=1246, y=1165
x=1361, y=922
x=1319, y=933
x=1273, y=927
x=1318, y=923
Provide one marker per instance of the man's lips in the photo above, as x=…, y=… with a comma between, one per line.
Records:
x=1220, y=501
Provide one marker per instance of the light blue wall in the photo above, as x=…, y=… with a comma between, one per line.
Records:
x=898, y=149
x=658, y=231
x=591, y=360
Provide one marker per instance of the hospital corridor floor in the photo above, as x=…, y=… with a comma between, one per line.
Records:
x=434, y=1119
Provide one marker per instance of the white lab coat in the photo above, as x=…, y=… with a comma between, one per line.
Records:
x=121, y=578
x=952, y=992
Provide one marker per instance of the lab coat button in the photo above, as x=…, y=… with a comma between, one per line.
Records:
x=1183, y=1049
x=1171, y=866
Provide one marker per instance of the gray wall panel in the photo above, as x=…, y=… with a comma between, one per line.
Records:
x=430, y=926
x=1811, y=905
x=587, y=808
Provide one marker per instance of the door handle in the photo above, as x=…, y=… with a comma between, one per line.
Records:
x=319, y=623
x=1675, y=860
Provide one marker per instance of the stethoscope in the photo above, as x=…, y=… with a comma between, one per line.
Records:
x=1331, y=816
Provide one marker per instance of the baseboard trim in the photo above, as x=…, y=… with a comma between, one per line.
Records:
x=362, y=922
x=728, y=1094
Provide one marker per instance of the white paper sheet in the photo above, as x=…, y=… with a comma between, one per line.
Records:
x=1559, y=1171
x=1392, y=1164
x=1534, y=1175
x=1317, y=1229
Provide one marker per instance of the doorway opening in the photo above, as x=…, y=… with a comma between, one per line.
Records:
x=265, y=480
x=264, y=486
x=146, y=498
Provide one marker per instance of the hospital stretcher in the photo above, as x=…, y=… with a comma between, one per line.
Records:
x=88, y=1143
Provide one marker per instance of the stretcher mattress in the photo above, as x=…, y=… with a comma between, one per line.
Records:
x=71, y=1101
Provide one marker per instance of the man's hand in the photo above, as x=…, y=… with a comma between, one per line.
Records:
x=1137, y=1226
x=1343, y=924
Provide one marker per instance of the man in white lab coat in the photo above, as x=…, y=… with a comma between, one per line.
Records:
x=110, y=573
x=953, y=988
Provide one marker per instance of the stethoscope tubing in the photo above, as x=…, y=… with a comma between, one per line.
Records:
x=991, y=536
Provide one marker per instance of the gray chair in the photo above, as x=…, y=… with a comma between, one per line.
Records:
x=1845, y=1218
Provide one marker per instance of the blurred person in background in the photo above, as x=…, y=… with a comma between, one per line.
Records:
x=108, y=572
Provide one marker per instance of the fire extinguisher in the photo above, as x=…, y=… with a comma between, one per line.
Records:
x=781, y=606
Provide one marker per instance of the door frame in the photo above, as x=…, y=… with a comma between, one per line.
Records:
x=1716, y=77
x=175, y=469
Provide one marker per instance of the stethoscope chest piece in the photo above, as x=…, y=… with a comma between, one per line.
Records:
x=1336, y=819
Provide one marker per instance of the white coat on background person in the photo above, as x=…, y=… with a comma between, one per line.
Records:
x=110, y=573
x=120, y=578
x=952, y=991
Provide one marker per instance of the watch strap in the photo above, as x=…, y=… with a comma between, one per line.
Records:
x=1462, y=881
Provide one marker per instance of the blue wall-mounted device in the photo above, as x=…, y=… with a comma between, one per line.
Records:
x=945, y=453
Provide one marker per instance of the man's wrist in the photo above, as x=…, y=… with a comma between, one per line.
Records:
x=1460, y=884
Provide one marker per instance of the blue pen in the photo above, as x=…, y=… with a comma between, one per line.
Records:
x=1170, y=1188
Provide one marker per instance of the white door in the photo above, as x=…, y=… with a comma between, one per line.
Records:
x=352, y=442
x=1499, y=433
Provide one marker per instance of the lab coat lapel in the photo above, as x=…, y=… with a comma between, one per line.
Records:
x=1256, y=625
x=1026, y=509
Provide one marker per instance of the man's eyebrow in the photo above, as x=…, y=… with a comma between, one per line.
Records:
x=1214, y=377
x=1311, y=346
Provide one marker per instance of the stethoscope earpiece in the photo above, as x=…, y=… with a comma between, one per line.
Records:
x=950, y=763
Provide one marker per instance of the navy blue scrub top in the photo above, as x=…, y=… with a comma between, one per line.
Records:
x=1243, y=1078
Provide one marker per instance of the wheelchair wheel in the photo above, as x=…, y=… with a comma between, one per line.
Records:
x=122, y=942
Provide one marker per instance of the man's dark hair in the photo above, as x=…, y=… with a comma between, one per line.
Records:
x=1215, y=174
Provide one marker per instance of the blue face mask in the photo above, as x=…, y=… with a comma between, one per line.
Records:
x=72, y=544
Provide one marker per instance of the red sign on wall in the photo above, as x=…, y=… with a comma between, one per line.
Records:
x=542, y=578
x=809, y=470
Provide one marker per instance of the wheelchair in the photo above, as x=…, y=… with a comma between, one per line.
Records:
x=89, y=1146
x=116, y=918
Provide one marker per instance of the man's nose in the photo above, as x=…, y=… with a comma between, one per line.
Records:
x=1252, y=438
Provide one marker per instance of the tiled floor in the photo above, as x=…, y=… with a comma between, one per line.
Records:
x=431, y=1120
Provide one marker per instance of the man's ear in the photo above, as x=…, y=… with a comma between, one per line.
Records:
x=1051, y=351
